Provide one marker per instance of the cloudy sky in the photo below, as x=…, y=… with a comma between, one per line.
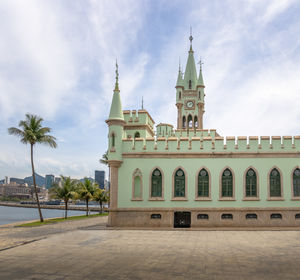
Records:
x=57, y=60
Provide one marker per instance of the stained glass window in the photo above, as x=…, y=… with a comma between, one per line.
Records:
x=179, y=184
x=296, y=182
x=203, y=183
x=156, y=183
x=275, y=184
x=251, y=183
x=227, y=183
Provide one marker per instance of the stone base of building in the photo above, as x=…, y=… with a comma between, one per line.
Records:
x=205, y=217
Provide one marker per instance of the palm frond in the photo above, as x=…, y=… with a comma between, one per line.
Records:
x=16, y=131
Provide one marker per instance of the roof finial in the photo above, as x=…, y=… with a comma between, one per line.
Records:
x=201, y=63
x=117, y=76
x=191, y=38
x=142, y=103
x=179, y=66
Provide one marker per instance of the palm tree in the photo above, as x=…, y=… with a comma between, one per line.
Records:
x=64, y=190
x=104, y=159
x=101, y=196
x=32, y=132
x=86, y=191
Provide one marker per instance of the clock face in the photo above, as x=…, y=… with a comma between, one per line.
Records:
x=190, y=104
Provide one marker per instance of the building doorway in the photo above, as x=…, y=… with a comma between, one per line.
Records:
x=182, y=219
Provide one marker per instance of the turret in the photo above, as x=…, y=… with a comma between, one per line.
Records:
x=115, y=123
x=200, y=84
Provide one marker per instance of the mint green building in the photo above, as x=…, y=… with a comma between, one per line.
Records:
x=189, y=176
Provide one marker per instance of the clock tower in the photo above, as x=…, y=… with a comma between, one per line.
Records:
x=190, y=95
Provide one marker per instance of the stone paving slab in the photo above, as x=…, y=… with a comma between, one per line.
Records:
x=146, y=254
x=11, y=235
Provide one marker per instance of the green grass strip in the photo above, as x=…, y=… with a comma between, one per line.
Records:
x=58, y=220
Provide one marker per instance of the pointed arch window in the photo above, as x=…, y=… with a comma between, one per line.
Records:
x=156, y=183
x=179, y=94
x=227, y=183
x=203, y=183
x=137, y=135
x=275, y=183
x=190, y=121
x=251, y=183
x=190, y=84
x=296, y=182
x=179, y=183
x=137, y=190
x=195, y=121
x=183, y=121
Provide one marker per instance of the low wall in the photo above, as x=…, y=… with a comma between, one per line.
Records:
x=59, y=207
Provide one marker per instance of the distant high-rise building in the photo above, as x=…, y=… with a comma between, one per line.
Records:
x=99, y=178
x=57, y=180
x=49, y=181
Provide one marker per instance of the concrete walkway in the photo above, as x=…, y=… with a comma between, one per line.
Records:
x=93, y=252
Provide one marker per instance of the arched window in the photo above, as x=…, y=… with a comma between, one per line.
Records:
x=137, y=184
x=179, y=184
x=203, y=183
x=190, y=84
x=156, y=183
x=199, y=95
x=190, y=121
x=183, y=122
x=275, y=184
x=251, y=183
x=195, y=121
x=179, y=94
x=296, y=182
x=227, y=183
x=137, y=135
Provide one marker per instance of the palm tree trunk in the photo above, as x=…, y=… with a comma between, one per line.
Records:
x=34, y=185
x=66, y=209
x=87, y=207
x=101, y=207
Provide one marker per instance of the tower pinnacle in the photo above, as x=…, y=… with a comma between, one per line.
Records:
x=117, y=76
x=191, y=39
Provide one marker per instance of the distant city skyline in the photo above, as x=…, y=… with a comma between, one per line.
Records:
x=58, y=61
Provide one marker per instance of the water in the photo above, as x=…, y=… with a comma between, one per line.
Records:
x=10, y=215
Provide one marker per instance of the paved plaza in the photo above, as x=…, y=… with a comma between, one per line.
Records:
x=90, y=251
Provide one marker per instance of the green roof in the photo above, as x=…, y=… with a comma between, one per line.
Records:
x=116, y=112
x=190, y=73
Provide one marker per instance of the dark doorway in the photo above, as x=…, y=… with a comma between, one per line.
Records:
x=182, y=219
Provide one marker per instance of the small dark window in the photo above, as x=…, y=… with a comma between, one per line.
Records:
x=137, y=135
x=202, y=217
x=113, y=140
x=251, y=216
x=179, y=94
x=297, y=216
x=155, y=216
x=276, y=216
x=199, y=94
x=190, y=84
x=227, y=216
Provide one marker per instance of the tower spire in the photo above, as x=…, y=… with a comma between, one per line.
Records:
x=116, y=112
x=200, y=78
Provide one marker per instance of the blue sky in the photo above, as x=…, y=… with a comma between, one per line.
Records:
x=57, y=60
